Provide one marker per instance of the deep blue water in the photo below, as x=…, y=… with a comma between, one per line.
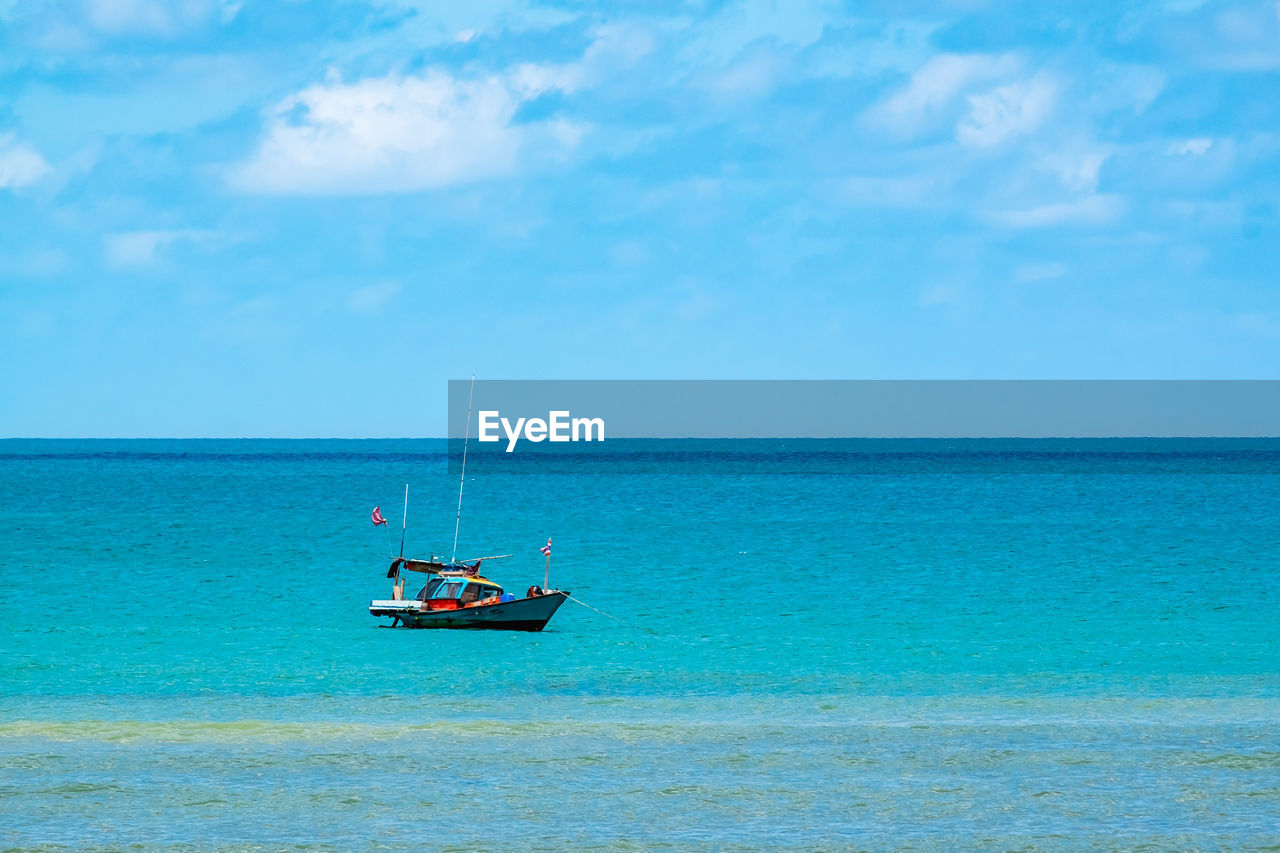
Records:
x=860, y=644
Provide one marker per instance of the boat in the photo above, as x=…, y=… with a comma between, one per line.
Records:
x=456, y=595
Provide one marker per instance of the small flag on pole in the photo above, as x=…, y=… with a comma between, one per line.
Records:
x=377, y=516
x=546, y=549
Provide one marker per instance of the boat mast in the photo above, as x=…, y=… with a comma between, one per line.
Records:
x=463, y=479
x=404, y=522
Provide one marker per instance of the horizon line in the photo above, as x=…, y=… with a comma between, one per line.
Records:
x=640, y=438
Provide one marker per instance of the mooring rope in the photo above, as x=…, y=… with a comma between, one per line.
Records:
x=607, y=616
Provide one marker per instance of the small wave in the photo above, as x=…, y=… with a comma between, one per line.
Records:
x=269, y=731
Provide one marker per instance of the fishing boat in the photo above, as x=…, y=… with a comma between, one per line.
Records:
x=455, y=594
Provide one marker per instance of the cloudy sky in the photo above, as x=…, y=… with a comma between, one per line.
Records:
x=300, y=218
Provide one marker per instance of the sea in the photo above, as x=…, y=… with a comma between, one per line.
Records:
x=772, y=645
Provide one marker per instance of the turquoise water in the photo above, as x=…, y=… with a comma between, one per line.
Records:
x=832, y=645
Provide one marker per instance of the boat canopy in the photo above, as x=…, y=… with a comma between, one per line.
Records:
x=459, y=587
x=431, y=567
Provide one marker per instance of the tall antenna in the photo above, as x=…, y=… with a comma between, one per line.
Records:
x=463, y=479
x=404, y=523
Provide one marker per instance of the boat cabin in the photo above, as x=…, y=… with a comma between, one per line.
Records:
x=452, y=591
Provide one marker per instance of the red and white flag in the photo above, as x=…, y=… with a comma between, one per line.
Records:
x=377, y=516
x=546, y=549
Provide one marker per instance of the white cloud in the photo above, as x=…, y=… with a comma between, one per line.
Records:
x=372, y=298
x=142, y=248
x=20, y=164
x=753, y=74
x=618, y=44
x=1096, y=209
x=1195, y=147
x=1077, y=166
x=1040, y=272
x=433, y=21
x=400, y=134
x=1244, y=38
x=899, y=49
x=935, y=86
x=130, y=16
x=1014, y=109
x=716, y=40
x=156, y=17
x=1105, y=87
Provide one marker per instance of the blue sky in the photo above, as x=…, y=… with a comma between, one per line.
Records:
x=301, y=218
